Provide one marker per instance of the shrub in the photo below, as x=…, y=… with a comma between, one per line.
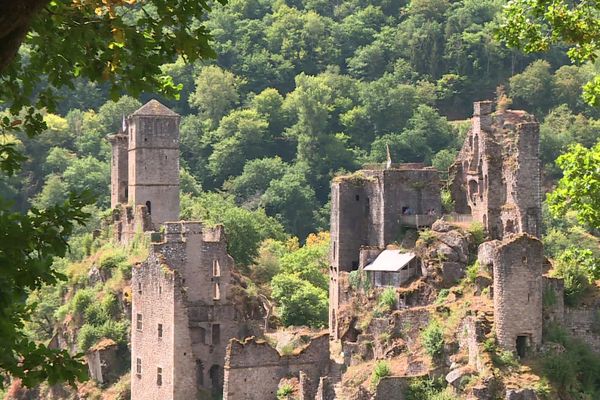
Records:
x=285, y=391
x=447, y=201
x=442, y=295
x=382, y=369
x=505, y=359
x=427, y=389
x=478, y=231
x=385, y=337
x=472, y=272
x=387, y=299
x=111, y=261
x=81, y=300
x=359, y=280
x=432, y=339
x=427, y=236
x=95, y=315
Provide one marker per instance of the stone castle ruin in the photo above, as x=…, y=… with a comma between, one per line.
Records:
x=496, y=176
x=193, y=338
x=185, y=297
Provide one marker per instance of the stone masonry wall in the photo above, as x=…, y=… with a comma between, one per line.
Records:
x=517, y=265
x=253, y=368
x=119, y=170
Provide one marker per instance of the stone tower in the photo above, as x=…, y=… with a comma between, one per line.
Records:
x=183, y=315
x=153, y=150
x=496, y=176
x=518, y=264
x=369, y=208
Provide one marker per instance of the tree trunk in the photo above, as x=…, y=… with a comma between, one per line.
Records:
x=15, y=20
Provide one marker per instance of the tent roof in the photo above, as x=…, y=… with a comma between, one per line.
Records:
x=390, y=261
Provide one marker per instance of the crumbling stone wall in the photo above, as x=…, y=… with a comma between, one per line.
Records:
x=583, y=323
x=496, y=176
x=119, y=169
x=185, y=286
x=517, y=268
x=253, y=368
x=103, y=361
x=129, y=221
x=367, y=209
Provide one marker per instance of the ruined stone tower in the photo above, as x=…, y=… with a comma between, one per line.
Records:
x=518, y=264
x=183, y=315
x=145, y=171
x=369, y=208
x=119, y=169
x=496, y=176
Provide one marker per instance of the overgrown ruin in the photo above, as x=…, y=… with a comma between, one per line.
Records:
x=190, y=335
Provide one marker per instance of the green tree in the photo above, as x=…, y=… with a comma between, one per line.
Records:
x=242, y=135
x=579, y=188
x=292, y=201
x=245, y=229
x=536, y=25
x=300, y=303
x=217, y=92
x=534, y=86
x=255, y=180
x=55, y=191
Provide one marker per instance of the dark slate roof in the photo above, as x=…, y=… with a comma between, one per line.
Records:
x=154, y=107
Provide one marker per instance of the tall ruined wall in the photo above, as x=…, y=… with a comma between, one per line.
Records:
x=154, y=161
x=119, y=167
x=253, y=368
x=154, y=294
x=518, y=266
x=496, y=176
x=129, y=221
x=195, y=310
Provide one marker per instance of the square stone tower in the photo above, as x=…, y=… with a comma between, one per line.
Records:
x=369, y=208
x=183, y=315
x=153, y=161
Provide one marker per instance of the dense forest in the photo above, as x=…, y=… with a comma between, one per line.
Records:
x=302, y=90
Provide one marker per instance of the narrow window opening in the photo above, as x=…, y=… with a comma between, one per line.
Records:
x=149, y=207
x=216, y=334
x=160, y=330
x=138, y=324
x=357, y=197
x=334, y=249
x=138, y=366
x=139, y=287
x=216, y=268
x=159, y=376
x=216, y=291
x=159, y=289
x=199, y=373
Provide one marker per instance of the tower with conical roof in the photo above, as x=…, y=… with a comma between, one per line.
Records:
x=153, y=161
